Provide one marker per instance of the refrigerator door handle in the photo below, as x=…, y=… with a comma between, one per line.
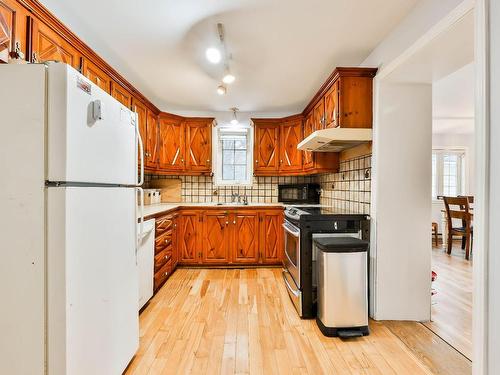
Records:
x=141, y=219
x=141, y=151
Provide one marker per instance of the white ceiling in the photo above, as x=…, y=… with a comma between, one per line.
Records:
x=453, y=102
x=282, y=50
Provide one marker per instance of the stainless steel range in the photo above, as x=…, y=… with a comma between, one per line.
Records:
x=301, y=224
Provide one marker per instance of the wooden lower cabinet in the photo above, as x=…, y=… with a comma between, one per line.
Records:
x=271, y=237
x=215, y=237
x=245, y=246
x=189, y=228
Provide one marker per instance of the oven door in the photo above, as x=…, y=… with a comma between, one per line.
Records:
x=292, y=251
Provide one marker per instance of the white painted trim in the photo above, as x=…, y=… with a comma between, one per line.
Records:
x=480, y=317
x=451, y=18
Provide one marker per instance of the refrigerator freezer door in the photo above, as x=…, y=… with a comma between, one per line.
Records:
x=92, y=279
x=91, y=136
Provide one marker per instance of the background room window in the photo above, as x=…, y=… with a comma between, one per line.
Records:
x=233, y=156
x=448, y=172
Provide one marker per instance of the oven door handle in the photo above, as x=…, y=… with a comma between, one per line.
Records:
x=296, y=293
x=292, y=232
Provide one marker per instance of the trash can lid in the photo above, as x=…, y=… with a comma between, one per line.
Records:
x=341, y=244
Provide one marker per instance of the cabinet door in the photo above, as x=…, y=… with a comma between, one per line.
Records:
x=187, y=238
x=245, y=248
x=319, y=115
x=216, y=237
x=355, y=102
x=199, y=145
x=151, y=140
x=271, y=239
x=290, y=156
x=50, y=46
x=96, y=75
x=121, y=94
x=308, y=156
x=175, y=247
x=171, y=144
x=13, y=25
x=332, y=106
x=139, y=108
x=266, y=148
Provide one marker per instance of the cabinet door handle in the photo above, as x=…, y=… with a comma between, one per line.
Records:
x=166, y=273
x=234, y=222
x=256, y=162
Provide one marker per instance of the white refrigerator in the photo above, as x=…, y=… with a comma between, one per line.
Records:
x=68, y=268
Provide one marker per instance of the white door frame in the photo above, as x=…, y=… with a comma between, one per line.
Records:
x=480, y=330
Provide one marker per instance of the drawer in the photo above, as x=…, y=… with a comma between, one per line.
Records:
x=163, y=224
x=163, y=257
x=162, y=275
x=162, y=241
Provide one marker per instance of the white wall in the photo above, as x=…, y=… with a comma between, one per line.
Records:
x=401, y=208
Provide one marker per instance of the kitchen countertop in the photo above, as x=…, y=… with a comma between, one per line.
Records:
x=154, y=209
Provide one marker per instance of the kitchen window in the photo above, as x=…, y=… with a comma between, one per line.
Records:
x=448, y=172
x=233, y=156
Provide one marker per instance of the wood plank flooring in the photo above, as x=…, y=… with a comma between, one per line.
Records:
x=452, y=305
x=216, y=321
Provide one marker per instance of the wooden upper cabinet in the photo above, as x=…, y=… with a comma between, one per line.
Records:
x=13, y=26
x=48, y=45
x=291, y=136
x=171, y=144
x=188, y=227
x=151, y=140
x=332, y=106
x=355, y=102
x=216, y=237
x=198, y=144
x=308, y=156
x=246, y=237
x=271, y=236
x=318, y=118
x=266, y=147
x=96, y=75
x=121, y=94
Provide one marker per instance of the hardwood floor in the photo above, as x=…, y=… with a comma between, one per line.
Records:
x=452, y=305
x=216, y=321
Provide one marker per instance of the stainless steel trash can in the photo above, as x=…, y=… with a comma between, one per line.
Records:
x=342, y=276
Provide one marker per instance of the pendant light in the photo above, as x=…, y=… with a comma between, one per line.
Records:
x=234, y=120
x=221, y=90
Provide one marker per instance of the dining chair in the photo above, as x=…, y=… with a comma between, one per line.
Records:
x=458, y=208
x=470, y=198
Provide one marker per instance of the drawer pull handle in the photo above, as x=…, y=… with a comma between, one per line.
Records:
x=166, y=273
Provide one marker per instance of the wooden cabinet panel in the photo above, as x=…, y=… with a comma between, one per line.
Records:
x=198, y=145
x=271, y=238
x=318, y=116
x=188, y=230
x=13, y=24
x=96, y=75
x=245, y=248
x=216, y=237
x=290, y=156
x=308, y=156
x=175, y=248
x=172, y=152
x=50, y=46
x=332, y=107
x=266, y=147
x=151, y=140
x=355, y=102
x=121, y=94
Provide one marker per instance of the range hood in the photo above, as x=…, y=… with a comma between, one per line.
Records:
x=335, y=139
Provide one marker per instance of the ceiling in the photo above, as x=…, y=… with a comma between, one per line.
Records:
x=453, y=102
x=282, y=50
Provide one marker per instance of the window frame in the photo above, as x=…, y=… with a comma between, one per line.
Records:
x=462, y=170
x=217, y=155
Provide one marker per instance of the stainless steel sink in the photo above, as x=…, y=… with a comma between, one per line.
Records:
x=232, y=204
